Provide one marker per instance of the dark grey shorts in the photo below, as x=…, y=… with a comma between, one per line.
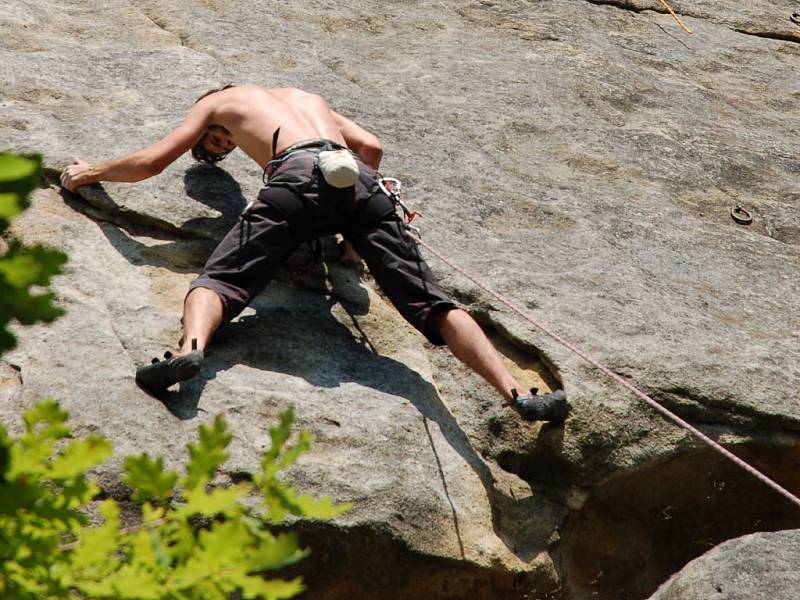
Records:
x=297, y=206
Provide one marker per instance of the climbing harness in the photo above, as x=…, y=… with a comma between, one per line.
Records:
x=394, y=193
x=338, y=168
x=741, y=215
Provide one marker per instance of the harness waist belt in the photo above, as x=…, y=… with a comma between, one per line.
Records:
x=307, y=145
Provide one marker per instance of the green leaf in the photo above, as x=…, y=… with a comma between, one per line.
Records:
x=227, y=540
x=26, y=581
x=103, y=588
x=224, y=545
x=137, y=584
x=29, y=309
x=145, y=550
x=219, y=501
x=23, y=266
x=274, y=552
x=5, y=454
x=52, y=508
x=148, y=478
x=281, y=499
x=291, y=455
x=170, y=556
x=79, y=491
x=319, y=508
x=159, y=549
x=151, y=514
x=44, y=424
x=49, y=413
x=209, y=455
x=30, y=459
x=279, y=435
x=19, y=176
x=7, y=340
x=80, y=456
x=95, y=554
x=268, y=589
x=19, y=171
x=182, y=540
x=10, y=206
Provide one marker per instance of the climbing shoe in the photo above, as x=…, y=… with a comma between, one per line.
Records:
x=552, y=407
x=161, y=374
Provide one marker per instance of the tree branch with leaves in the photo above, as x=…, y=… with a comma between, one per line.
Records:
x=194, y=541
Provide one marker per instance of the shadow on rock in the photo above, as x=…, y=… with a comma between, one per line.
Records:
x=217, y=189
x=185, y=248
x=309, y=342
x=305, y=332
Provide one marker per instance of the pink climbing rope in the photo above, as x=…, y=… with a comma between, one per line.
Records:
x=620, y=380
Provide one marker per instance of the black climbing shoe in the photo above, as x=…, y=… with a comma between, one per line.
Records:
x=161, y=374
x=552, y=407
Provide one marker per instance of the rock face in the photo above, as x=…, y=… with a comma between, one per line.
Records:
x=761, y=565
x=581, y=157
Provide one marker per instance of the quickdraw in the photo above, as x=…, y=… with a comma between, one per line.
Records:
x=391, y=187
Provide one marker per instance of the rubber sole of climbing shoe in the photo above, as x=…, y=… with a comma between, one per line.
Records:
x=161, y=374
x=552, y=407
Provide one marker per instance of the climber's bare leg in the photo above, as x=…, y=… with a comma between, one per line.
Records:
x=202, y=316
x=469, y=344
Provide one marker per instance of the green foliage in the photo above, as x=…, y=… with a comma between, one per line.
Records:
x=207, y=457
x=41, y=495
x=194, y=541
x=148, y=479
x=280, y=499
x=21, y=267
x=47, y=550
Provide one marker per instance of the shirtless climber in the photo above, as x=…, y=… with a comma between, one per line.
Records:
x=322, y=180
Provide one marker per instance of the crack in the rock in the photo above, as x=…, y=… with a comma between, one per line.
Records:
x=708, y=411
x=772, y=35
x=118, y=336
x=131, y=221
x=627, y=5
x=18, y=369
x=622, y=4
x=237, y=476
x=155, y=20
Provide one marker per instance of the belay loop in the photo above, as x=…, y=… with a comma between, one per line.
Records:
x=391, y=187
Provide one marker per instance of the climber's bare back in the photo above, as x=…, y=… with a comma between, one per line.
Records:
x=252, y=114
x=246, y=116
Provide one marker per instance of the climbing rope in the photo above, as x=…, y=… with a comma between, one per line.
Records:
x=675, y=16
x=596, y=364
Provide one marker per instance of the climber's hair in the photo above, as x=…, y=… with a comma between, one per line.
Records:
x=214, y=91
